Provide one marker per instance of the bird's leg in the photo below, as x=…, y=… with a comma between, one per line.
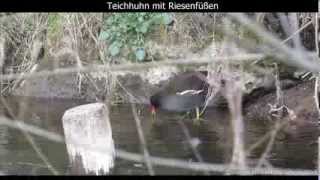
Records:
x=153, y=116
x=197, y=119
x=202, y=111
x=153, y=119
x=197, y=113
x=186, y=115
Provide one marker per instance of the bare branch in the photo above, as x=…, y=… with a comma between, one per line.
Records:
x=133, y=67
x=158, y=160
x=285, y=54
x=142, y=140
x=31, y=141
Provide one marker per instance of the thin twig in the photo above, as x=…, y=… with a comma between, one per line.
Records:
x=265, y=137
x=316, y=33
x=316, y=85
x=133, y=98
x=316, y=94
x=318, y=155
x=74, y=33
x=234, y=98
x=169, y=162
x=16, y=124
x=279, y=103
x=269, y=146
x=297, y=40
x=285, y=54
x=142, y=140
x=135, y=67
x=193, y=148
x=296, y=32
x=279, y=93
x=30, y=140
x=2, y=57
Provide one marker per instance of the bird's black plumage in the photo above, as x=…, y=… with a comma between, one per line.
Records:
x=184, y=92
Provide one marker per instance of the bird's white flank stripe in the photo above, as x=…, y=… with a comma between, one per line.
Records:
x=191, y=92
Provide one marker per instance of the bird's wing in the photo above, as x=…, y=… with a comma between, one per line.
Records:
x=190, y=92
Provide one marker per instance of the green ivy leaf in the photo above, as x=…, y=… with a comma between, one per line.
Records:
x=104, y=35
x=130, y=29
x=140, y=19
x=166, y=19
x=157, y=18
x=144, y=28
x=114, y=48
x=140, y=54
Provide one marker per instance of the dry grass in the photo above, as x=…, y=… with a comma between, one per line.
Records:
x=75, y=36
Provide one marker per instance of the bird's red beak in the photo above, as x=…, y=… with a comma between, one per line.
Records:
x=153, y=113
x=153, y=110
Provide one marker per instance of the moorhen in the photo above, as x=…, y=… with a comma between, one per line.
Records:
x=185, y=92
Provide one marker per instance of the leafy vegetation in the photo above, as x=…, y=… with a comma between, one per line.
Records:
x=130, y=31
x=54, y=26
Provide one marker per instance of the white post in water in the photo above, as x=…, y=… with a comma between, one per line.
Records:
x=88, y=137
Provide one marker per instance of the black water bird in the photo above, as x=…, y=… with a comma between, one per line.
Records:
x=184, y=92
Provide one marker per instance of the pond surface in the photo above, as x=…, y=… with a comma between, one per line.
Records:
x=165, y=138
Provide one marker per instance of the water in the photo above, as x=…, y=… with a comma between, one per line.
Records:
x=165, y=138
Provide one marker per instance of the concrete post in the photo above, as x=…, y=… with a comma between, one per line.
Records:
x=88, y=138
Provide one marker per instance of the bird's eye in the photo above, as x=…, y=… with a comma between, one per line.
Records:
x=223, y=82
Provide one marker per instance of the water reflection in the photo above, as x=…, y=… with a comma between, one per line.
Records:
x=165, y=139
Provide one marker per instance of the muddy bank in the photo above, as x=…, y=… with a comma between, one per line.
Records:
x=140, y=85
x=95, y=86
x=298, y=99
